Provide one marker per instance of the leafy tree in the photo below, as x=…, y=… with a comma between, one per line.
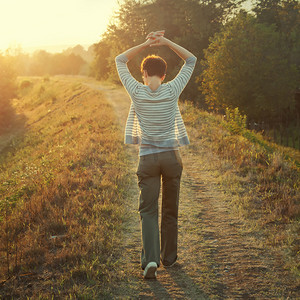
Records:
x=247, y=66
x=267, y=11
x=40, y=63
x=70, y=61
x=78, y=50
x=285, y=15
x=100, y=67
x=189, y=23
x=65, y=64
x=19, y=59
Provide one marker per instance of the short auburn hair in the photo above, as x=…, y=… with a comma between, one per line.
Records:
x=154, y=65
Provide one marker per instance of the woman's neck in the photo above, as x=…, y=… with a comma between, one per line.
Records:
x=153, y=82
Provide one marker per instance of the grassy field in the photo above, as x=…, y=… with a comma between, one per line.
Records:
x=261, y=178
x=63, y=177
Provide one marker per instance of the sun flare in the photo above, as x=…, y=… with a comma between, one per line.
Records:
x=36, y=23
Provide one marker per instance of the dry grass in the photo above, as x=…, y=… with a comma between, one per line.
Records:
x=261, y=178
x=62, y=178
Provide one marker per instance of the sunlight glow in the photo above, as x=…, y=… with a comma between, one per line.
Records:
x=38, y=23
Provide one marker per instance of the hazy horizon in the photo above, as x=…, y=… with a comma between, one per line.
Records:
x=54, y=48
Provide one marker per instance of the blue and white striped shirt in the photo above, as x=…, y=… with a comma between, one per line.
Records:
x=154, y=119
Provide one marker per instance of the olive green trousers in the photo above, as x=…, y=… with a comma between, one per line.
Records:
x=154, y=169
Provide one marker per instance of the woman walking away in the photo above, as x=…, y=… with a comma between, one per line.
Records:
x=155, y=124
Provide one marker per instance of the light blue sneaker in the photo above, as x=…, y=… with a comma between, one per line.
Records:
x=150, y=270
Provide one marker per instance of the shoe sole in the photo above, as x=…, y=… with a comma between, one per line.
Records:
x=150, y=273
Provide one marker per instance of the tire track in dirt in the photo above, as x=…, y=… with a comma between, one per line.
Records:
x=218, y=257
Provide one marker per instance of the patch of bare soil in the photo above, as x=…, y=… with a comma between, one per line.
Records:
x=219, y=256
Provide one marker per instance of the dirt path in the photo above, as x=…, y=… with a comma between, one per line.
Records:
x=218, y=256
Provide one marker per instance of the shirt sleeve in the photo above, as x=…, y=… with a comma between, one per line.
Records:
x=129, y=82
x=180, y=81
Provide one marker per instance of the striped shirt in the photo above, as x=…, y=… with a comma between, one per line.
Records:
x=154, y=119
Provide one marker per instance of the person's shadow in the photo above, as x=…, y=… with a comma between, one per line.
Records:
x=177, y=285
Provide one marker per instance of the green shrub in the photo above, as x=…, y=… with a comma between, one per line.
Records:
x=235, y=121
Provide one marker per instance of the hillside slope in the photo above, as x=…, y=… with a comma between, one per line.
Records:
x=70, y=220
x=62, y=179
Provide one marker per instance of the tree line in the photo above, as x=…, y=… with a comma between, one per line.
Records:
x=72, y=61
x=246, y=59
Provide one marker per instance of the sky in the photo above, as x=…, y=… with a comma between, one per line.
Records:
x=53, y=23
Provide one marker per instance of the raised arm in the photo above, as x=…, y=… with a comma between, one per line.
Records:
x=184, y=75
x=126, y=78
x=180, y=51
